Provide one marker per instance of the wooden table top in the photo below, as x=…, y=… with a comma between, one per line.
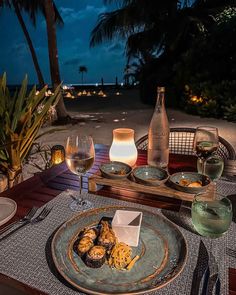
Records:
x=43, y=187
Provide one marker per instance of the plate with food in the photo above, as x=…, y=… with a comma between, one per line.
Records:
x=115, y=170
x=189, y=182
x=87, y=253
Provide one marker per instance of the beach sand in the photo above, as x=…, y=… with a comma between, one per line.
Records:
x=98, y=116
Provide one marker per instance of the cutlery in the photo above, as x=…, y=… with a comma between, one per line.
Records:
x=27, y=217
x=231, y=252
x=206, y=277
x=200, y=269
x=42, y=215
x=218, y=285
x=211, y=278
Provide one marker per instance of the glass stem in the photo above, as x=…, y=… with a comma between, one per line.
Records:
x=80, y=187
x=203, y=168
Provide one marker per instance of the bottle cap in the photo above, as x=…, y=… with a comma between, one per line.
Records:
x=160, y=89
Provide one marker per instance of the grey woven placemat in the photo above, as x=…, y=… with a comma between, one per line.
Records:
x=25, y=256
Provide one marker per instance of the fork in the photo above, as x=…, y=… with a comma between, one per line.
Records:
x=231, y=252
x=27, y=217
x=42, y=215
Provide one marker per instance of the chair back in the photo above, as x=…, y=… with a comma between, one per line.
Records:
x=181, y=142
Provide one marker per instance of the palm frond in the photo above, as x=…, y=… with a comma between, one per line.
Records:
x=120, y=23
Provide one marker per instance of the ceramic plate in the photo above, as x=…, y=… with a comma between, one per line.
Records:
x=162, y=249
x=178, y=178
x=115, y=170
x=7, y=209
x=150, y=175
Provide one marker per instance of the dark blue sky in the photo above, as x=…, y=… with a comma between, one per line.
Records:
x=80, y=16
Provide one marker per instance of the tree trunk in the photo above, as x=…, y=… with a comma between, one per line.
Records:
x=15, y=176
x=53, y=56
x=30, y=44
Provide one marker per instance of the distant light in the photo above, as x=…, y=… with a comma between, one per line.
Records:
x=94, y=92
x=96, y=84
x=116, y=120
x=104, y=95
x=118, y=93
x=84, y=92
x=88, y=93
x=37, y=92
x=68, y=95
x=135, y=83
x=122, y=84
x=64, y=87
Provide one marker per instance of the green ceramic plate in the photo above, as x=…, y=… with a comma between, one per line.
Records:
x=162, y=249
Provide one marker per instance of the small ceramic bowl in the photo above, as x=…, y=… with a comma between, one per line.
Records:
x=115, y=170
x=189, y=182
x=150, y=175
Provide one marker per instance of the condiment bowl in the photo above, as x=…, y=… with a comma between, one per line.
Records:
x=150, y=175
x=189, y=182
x=115, y=170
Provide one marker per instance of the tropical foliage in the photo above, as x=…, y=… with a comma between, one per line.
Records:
x=21, y=117
x=159, y=33
x=210, y=82
x=52, y=16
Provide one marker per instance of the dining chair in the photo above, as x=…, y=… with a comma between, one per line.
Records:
x=181, y=142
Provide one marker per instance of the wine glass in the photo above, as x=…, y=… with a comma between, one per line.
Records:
x=206, y=142
x=80, y=156
x=213, y=167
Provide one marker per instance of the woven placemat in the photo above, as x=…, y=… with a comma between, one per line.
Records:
x=25, y=256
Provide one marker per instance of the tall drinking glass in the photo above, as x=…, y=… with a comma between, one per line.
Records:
x=80, y=156
x=206, y=142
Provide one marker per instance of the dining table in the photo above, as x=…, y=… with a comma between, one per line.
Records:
x=43, y=187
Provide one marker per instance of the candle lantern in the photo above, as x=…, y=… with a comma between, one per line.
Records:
x=123, y=148
x=57, y=154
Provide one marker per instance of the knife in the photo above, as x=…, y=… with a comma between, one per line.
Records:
x=200, y=268
x=211, y=277
x=205, y=287
x=217, y=286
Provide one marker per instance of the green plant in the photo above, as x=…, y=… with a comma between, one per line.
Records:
x=20, y=121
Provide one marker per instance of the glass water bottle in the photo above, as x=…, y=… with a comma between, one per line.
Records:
x=158, y=133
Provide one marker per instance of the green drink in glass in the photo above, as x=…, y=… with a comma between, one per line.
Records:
x=211, y=214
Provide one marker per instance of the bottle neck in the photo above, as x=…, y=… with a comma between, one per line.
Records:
x=160, y=100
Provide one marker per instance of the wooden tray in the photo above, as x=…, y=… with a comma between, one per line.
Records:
x=130, y=184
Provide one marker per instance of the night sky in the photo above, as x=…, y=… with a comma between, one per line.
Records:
x=106, y=60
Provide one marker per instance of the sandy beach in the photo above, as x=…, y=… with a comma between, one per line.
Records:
x=98, y=116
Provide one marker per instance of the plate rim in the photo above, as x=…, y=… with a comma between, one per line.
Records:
x=6, y=219
x=89, y=291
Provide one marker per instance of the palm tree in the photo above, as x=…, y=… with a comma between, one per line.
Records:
x=158, y=31
x=82, y=70
x=50, y=14
x=16, y=6
x=157, y=26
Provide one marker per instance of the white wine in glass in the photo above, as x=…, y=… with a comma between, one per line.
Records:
x=80, y=156
x=206, y=142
